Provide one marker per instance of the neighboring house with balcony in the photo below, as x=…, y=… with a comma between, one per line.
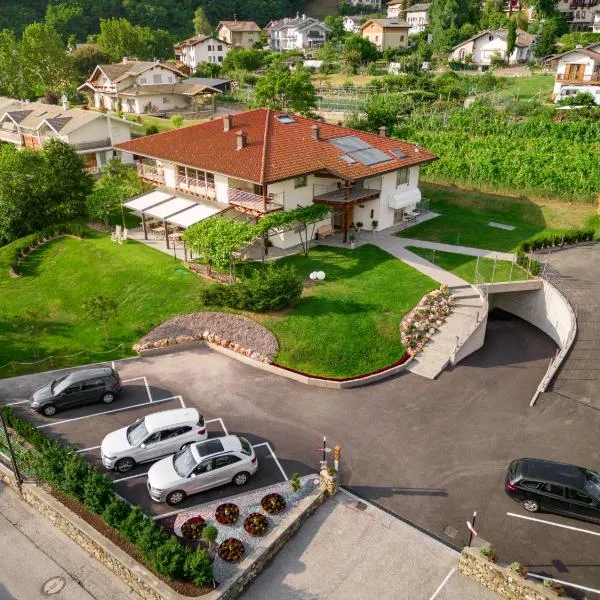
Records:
x=239, y=34
x=297, y=33
x=417, y=16
x=92, y=134
x=493, y=42
x=578, y=71
x=143, y=88
x=261, y=161
x=201, y=48
x=386, y=33
x=596, y=19
x=579, y=14
x=352, y=23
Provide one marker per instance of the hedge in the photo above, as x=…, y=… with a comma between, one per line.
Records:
x=68, y=472
x=20, y=248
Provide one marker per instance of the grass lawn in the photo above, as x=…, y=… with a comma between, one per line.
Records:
x=468, y=213
x=41, y=312
x=526, y=88
x=163, y=124
x=348, y=324
x=463, y=266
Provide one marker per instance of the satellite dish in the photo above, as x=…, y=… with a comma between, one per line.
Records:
x=321, y=275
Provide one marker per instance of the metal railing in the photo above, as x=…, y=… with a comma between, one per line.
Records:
x=340, y=194
x=10, y=136
x=92, y=144
x=195, y=185
x=594, y=78
x=253, y=202
x=151, y=173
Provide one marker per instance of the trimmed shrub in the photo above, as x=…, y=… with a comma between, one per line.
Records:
x=150, y=537
x=197, y=567
x=75, y=473
x=169, y=558
x=130, y=527
x=97, y=491
x=116, y=512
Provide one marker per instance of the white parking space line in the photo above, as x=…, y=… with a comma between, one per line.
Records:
x=440, y=587
x=132, y=379
x=148, y=389
x=113, y=365
x=106, y=412
x=130, y=477
x=90, y=448
x=219, y=420
x=15, y=403
x=274, y=457
x=137, y=379
x=554, y=524
x=573, y=585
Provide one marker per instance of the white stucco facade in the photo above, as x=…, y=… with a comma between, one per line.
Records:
x=209, y=50
x=484, y=47
x=578, y=71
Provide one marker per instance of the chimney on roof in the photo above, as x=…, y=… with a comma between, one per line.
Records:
x=579, y=46
x=383, y=131
x=417, y=149
x=240, y=138
x=227, y=123
x=315, y=132
x=65, y=102
x=124, y=59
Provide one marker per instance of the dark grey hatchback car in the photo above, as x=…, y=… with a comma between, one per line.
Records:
x=98, y=384
x=554, y=487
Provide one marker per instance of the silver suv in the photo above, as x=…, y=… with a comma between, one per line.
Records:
x=200, y=467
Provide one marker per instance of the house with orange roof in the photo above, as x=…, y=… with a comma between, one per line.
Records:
x=260, y=161
x=240, y=34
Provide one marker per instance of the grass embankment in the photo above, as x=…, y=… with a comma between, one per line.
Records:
x=348, y=324
x=465, y=216
x=162, y=124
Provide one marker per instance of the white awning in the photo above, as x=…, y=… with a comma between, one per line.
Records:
x=141, y=203
x=170, y=207
x=194, y=214
x=402, y=199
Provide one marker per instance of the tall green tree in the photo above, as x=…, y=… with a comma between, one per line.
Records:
x=492, y=15
x=511, y=38
x=447, y=17
x=201, y=23
x=545, y=40
x=367, y=51
x=245, y=59
x=544, y=8
x=335, y=23
x=14, y=80
x=67, y=19
x=282, y=89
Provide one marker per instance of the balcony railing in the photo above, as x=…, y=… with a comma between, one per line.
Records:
x=594, y=78
x=253, y=203
x=200, y=187
x=93, y=144
x=339, y=195
x=151, y=173
x=10, y=136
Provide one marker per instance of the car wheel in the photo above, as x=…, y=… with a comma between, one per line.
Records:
x=531, y=505
x=241, y=478
x=108, y=397
x=175, y=498
x=49, y=410
x=124, y=464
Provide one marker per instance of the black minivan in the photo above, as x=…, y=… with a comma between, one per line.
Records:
x=97, y=384
x=554, y=487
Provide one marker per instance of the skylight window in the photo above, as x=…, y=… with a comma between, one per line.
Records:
x=398, y=153
x=285, y=119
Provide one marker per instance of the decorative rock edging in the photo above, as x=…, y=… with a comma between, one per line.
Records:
x=501, y=579
x=13, y=269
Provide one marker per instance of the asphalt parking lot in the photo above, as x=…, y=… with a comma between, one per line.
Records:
x=431, y=452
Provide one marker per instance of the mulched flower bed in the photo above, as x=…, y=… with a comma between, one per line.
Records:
x=192, y=529
x=231, y=550
x=273, y=503
x=256, y=524
x=227, y=514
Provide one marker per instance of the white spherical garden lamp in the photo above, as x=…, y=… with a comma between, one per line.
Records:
x=313, y=275
x=321, y=275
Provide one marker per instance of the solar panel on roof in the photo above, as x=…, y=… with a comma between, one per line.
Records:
x=370, y=156
x=398, y=153
x=348, y=159
x=350, y=143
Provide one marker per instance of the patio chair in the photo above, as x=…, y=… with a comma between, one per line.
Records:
x=123, y=237
x=116, y=234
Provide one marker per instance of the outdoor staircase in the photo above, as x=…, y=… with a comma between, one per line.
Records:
x=456, y=330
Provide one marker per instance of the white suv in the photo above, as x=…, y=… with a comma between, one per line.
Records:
x=202, y=466
x=152, y=437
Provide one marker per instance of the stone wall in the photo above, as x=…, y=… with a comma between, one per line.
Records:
x=501, y=579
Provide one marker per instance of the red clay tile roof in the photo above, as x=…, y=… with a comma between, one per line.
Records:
x=275, y=151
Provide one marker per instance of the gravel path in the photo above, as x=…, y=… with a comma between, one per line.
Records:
x=239, y=330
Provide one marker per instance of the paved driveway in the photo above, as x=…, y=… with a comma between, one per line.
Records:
x=431, y=452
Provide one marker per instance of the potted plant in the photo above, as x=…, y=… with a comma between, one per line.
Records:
x=359, y=226
x=256, y=524
x=352, y=239
x=227, y=514
x=553, y=585
x=273, y=503
x=231, y=550
x=374, y=224
x=518, y=568
x=295, y=483
x=488, y=552
x=192, y=529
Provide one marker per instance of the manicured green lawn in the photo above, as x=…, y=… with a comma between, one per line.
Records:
x=41, y=312
x=526, y=88
x=465, y=216
x=464, y=266
x=348, y=324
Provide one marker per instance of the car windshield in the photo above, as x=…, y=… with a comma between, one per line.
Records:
x=246, y=448
x=59, y=385
x=184, y=462
x=137, y=433
x=592, y=484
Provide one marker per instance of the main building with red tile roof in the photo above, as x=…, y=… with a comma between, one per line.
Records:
x=263, y=160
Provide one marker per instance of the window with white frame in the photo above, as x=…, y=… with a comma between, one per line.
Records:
x=300, y=182
x=402, y=176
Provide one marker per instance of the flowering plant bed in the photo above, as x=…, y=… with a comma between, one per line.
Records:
x=227, y=514
x=256, y=524
x=273, y=503
x=192, y=529
x=421, y=323
x=231, y=550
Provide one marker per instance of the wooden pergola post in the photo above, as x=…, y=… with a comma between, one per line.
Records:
x=144, y=225
x=345, y=212
x=166, y=233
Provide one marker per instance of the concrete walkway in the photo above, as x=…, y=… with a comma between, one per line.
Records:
x=456, y=249
x=34, y=551
x=352, y=550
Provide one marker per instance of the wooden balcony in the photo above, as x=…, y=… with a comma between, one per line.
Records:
x=151, y=173
x=10, y=136
x=578, y=80
x=339, y=195
x=254, y=204
x=199, y=187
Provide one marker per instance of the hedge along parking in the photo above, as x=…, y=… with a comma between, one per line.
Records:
x=66, y=471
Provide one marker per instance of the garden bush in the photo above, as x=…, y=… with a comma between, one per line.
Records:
x=197, y=567
x=97, y=491
x=272, y=289
x=169, y=558
x=116, y=512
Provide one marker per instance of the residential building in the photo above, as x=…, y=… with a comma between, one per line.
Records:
x=239, y=34
x=481, y=48
x=261, y=161
x=417, y=16
x=143, y=87
x=222, y=85
x=92, y=134
x=297, y=33
x=579, y=14
x=386, y=33
x=394, y=9
x=352, y=23
x=596, y=20
x=375, y=5
x=578, y=71
x=199, y=49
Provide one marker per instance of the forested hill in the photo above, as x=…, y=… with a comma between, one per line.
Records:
x=81, y=17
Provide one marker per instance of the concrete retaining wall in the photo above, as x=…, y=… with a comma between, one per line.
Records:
x=476, y=338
